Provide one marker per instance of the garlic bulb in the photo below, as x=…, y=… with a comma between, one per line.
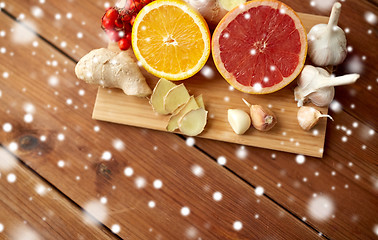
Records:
x=239, y=120
x=327, y=42
x=317, y=85
x=263, y=119
x=308, y=117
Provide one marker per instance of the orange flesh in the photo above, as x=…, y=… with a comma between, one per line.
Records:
x=167, y=42
x=261, y=46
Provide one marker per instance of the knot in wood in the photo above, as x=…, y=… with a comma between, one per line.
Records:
x=28, y=142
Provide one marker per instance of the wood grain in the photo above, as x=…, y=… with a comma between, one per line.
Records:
x=287, y=172
x=346, y=176
x=63, y=132
x=33, y=209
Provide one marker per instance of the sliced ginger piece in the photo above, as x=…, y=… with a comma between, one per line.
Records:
x=193, y=122
x=175, y=97
x=157, y=98
x=191, y=104
x=199, y=101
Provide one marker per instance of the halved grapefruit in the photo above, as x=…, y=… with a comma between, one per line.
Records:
x=260, y=46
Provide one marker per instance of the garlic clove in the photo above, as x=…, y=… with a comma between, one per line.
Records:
x=316, y=84
x=308, y=117
x=322, y=97
x=263, y=119
x=327, y=42
x=239, y=120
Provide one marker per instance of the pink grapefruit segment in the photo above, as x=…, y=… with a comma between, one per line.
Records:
x=260, y=46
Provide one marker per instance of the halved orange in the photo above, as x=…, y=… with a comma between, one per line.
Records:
x=260, y=46
x=171, y=39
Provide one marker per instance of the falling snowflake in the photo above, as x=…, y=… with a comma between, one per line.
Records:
x=207, y=72
x=191, y=232
x=7, y=127
x=237, y=225
x=116, y=228
x=197, y=170
x=95, y=212
x=300, y=159
x=36, y=11
x=11, y=177
x=151, y=204
x=103, y=200
x=370, y=18
x=40, y=189
x=375, y=229
x=242, y=152
x=128, y=171
x=259, y=191
x=321, y=208
x=190, y=141
x=322, y=5
x=222, y=160
x=61, y=137
x=185, y=211
x=22, y=35
x=28, y=118
x=106, y=156
x=354, y=65
x=158, y=184
x=61, y=163
x=140, y=182
x=69, y=15
x=5, y=75
x=118, y=144
x=53, y=81
x=23, y=232
x=335, y=106
x=13, y=146
x=217, y=196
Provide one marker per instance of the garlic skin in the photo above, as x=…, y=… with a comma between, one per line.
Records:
x=239, y=120
x=308, y=117
x=263, y=119
x=327, y=42
x=317, y=85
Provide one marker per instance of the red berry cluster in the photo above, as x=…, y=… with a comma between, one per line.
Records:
x=118, y=22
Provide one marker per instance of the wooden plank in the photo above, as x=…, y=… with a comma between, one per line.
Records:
x=352, y=15
x=344, y=179
x=94, y=162
x=33, y=209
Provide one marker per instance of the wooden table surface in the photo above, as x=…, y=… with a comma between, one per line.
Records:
x=66, y=176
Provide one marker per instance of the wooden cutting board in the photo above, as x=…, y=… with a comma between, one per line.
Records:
x=114, y=106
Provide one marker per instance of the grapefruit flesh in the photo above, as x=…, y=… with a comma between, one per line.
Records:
x=260, y=46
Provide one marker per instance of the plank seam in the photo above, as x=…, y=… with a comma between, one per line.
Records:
x=58, y=190
x=254, y=187
x=180, y=136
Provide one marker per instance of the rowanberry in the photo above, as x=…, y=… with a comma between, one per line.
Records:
x=124, y=44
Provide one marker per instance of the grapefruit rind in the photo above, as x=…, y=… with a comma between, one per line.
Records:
x=230, y=16
x=197, y=18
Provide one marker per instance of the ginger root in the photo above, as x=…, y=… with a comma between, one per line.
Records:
x=113, y=69
x=214, y=10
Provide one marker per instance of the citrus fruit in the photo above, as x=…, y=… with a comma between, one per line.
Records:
x=260, y=46
x=171, y=39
